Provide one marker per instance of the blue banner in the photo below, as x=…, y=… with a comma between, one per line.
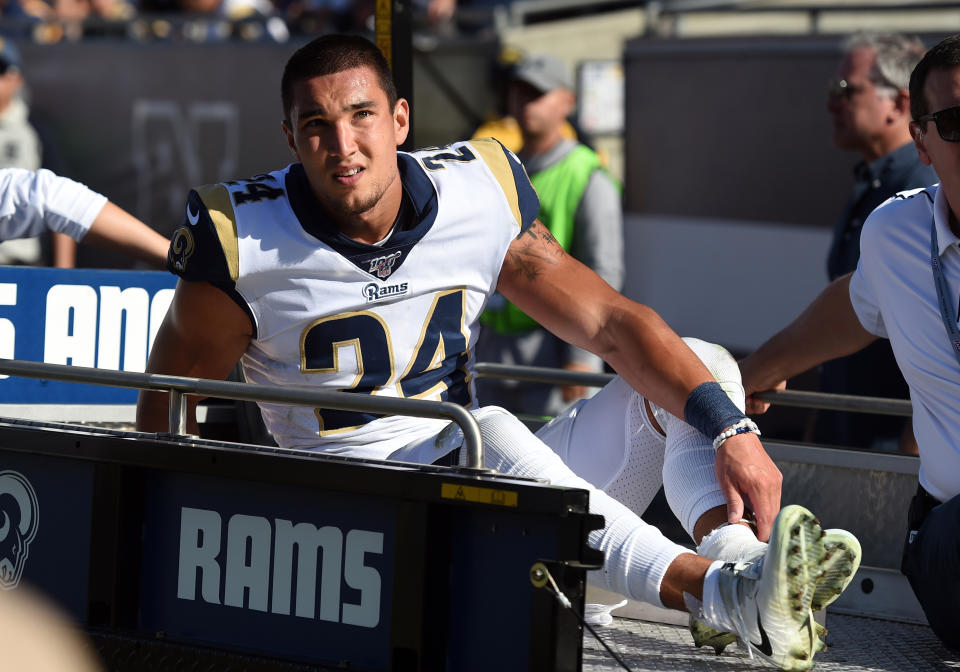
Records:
x=84, y=317
x=283, y=571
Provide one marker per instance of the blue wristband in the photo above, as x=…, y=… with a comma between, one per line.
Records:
x=710, y=410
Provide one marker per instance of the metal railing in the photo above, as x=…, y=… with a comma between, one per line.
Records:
x=179, y=388
x=662, y=14
x=796, y=398
x=302, y=395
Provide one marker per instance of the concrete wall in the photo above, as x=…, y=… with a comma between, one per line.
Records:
x=733, y=282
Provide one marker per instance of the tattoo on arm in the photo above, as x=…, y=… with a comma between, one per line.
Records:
x=533, y=248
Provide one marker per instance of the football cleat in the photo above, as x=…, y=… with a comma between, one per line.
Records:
x=704, y=635
x=841, y=562
x=768, y=599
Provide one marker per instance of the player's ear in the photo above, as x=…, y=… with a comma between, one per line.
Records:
x=287, y=131
x=401, y=121
x=920, y=141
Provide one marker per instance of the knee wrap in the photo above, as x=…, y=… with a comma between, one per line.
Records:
x=722, y=366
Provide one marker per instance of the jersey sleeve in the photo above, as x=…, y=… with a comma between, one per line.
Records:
x=31, y=202
x=513, y=180
x=204, y=248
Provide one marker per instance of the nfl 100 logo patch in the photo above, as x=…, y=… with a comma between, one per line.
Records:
x=382, y=266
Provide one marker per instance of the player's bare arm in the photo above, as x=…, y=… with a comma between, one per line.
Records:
x=574, y=303
x=827, y=329
x=203, y=335
x=537, y=247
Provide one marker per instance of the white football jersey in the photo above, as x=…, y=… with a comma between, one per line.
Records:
x=394, y=319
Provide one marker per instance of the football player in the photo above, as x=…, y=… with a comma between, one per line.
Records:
x=362, y=268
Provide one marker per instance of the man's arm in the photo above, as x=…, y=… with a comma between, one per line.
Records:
x=31, y=201
x=574, y=303
x=827, y=329
x=64, y=250
x=117, y=229
x=203, y=335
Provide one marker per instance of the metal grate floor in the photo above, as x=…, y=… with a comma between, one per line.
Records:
x=855, y=644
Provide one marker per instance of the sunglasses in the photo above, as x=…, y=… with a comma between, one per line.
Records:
x=947, y=121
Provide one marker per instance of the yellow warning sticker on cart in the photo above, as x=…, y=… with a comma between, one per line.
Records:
x=470, y=493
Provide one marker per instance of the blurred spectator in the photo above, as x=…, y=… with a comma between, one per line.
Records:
x=869, y=104
x=452, y=16
x=78, y=11
x=580, y=204
x=24, y=10
x=20, y=145
x=215, y=20
x=316, y=16
x=504, y=127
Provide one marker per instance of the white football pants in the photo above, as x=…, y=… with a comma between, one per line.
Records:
x=608, y=446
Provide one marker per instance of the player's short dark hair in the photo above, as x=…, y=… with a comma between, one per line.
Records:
x=330, y=54
x=946, y=54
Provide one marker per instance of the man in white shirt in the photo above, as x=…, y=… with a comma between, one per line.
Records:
x=905, y=288
x=32, y=202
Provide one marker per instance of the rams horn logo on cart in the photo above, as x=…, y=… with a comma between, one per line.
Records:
x=382, y=267
x=19, y=519
x=181, y=247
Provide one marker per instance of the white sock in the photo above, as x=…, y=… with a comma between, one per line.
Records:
x=636, y=554
x=693, y=605
x=713, y=610
x=731, y=543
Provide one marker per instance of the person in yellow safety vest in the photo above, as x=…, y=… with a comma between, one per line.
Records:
x=580, y=203
x=507, y=130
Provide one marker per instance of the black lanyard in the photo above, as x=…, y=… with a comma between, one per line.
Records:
x=946, y=307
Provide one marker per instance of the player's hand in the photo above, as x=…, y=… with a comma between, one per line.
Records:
x=756, y=405
x=755, y=380
x=750, y=481
x=573, y=392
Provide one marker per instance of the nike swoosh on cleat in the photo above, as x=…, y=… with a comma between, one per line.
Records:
x=192, y=218
x=764, y=645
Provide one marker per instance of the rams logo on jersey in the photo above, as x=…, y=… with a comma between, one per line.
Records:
x=19, y=519
x=373, y=292
x=181, y=247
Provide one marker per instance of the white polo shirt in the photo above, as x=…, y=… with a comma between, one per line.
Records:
x=31, y=202
x=894, y=296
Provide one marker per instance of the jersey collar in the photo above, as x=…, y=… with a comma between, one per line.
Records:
x=380, y=261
